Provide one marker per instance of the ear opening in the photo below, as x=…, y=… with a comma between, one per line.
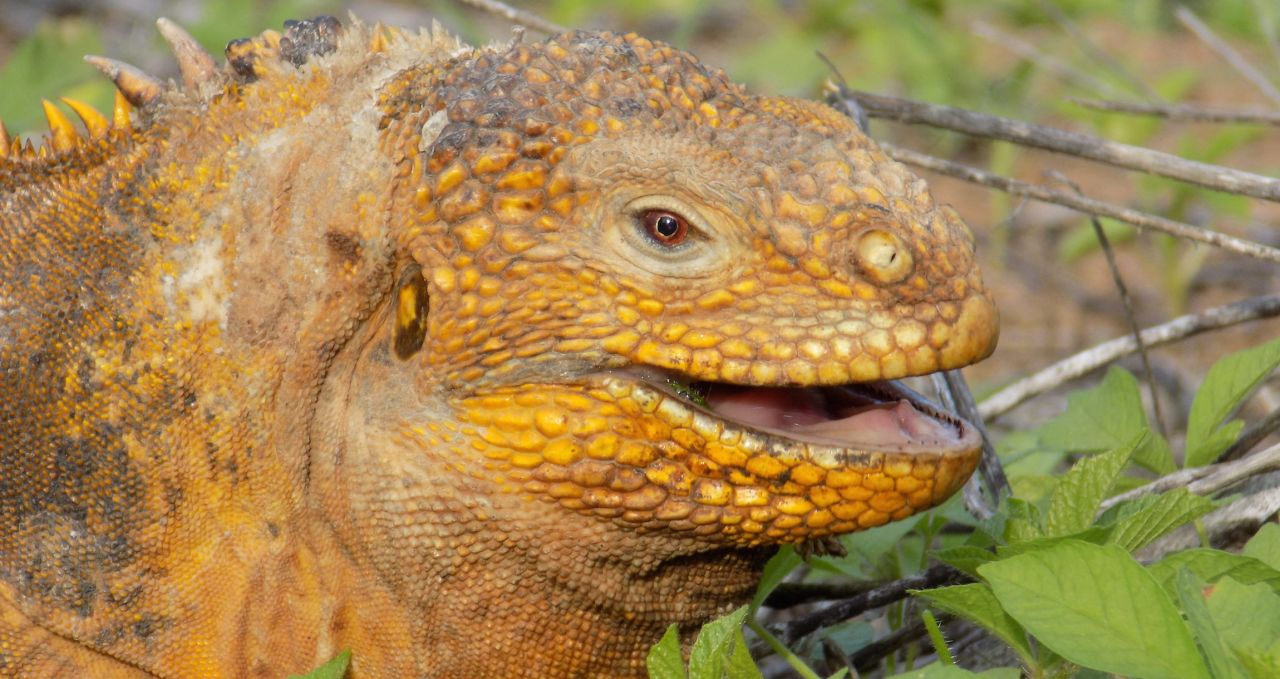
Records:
x=411, y=307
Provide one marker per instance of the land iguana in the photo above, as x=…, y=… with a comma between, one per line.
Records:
x=475, y=361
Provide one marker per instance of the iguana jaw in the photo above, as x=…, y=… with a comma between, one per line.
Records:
x=881, y=416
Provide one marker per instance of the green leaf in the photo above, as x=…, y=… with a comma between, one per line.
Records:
x=1097, y=607
x=740, y=665
x=1076, y=499
x=1147, y=518
x=775, y=571
x=976, y=603
x=707, y=658
x=1212, y=565
x=1226, y=385
x=1247, y=616
x=1022, y=522
x=1260, y=665
x=965, y=558
x=1265, y=545
x=664, y=661
x=334, y=669
x=1096, y=535
x=1107, y=417
x=1190, y=595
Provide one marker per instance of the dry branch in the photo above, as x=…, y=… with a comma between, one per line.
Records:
x=1100, y=355
x=935, y=576
x=1082, y=204
x=1204, y=480
x=1252, y=435
x=1185, y=112
x=1071, y=143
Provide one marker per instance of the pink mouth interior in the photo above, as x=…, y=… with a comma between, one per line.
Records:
x=845, y=418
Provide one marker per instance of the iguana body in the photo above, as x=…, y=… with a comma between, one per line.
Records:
x=430, y=352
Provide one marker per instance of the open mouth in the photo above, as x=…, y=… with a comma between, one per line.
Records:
x=884, y=416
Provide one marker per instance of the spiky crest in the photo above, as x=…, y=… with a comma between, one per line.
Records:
x=247, y=60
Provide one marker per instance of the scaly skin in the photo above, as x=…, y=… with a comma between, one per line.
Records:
x=304, y=358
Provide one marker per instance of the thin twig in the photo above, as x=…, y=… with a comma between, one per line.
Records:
x=1227, y=52
x=1071, y=143
x=1049, y=63
x=1096, y=53
x=1205, y=480
x=1095, y=357
x=790, y=594
x=935, y=576
x=955, y=395
x=1082, y=204
x=518, y=16
x=1252, y=436
x=1194, y=113
x=1127, y=301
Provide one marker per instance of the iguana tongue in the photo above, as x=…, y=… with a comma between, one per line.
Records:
x=801, y=413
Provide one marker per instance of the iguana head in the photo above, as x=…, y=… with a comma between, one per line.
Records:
x=653, y=297
x=482, y=362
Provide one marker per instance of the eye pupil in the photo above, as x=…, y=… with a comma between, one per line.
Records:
x=666, y=228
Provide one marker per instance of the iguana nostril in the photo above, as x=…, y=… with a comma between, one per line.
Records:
x=882, y=257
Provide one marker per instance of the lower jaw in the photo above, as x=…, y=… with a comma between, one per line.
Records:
x=626, y=452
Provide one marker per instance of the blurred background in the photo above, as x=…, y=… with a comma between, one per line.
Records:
x=1019, y=58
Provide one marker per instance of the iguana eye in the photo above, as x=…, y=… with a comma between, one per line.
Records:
x=665, y=228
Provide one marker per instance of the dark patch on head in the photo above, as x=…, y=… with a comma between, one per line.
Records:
x=497, y=112
x=241, y=59
x=343, y=245
x=625, y=107
x=309, y=37
x=451, y=140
